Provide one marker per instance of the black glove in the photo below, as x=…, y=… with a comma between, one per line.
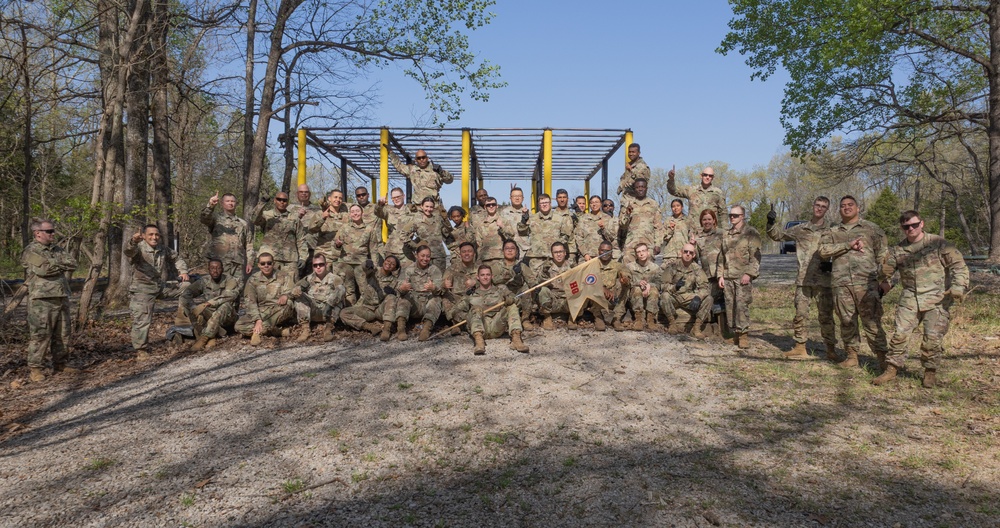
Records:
x=389, y=290
x=470, y=291
x=437, y=168
x=695, y=303
x=772, y=217
x=524, y=217
x=680, y=284
x=414, y=236
x=369, y=265
x=826, y=266
x=517, y=268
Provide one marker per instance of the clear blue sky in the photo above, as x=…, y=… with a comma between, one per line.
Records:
x=646, y=65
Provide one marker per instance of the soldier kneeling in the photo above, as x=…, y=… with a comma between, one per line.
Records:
x=685, y=285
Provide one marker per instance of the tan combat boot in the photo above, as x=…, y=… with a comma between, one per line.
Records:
x=386, y=331
x=640, y=321
x=211, y=343
x=851, y=361
x=799, y=352
x=571, y=324
x=652, y=324
x=888, y=375
x=480, y=348
x=303, y=333
x=744, y=341
x=696, y=331
x=141, y=355
x=37, y=374
x=199, y=344
x=401, y=329
x=516, y=343
x=527, y=324
x=327, y=335
x=425, y=330
x=374, y=328
x=599, y=324
x=617, y=325
x=930, y=378
x=255, y=339
x=547, y=323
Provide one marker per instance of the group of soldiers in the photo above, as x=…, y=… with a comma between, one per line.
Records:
x=500, y=270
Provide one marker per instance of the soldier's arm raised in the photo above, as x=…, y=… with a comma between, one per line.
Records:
x=446, y=177
x=400, y=167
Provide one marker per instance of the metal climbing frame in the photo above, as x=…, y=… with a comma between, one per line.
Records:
x=477, y=154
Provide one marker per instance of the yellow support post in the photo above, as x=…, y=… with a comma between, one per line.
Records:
x=302, y=156
x=466, y=168
x=628, y=141
x=383, y=175
x=547, y=161
x=586, y=191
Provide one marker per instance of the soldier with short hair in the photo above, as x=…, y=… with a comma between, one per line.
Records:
x=319, y=298
x=420, y=288
x=509, y=272
x=266, y=303
x=593, y=227
x=512, y=214
x=459, y=278
x=739, y=265
x=431, y=230
x=934, y=275
x=552, y=297
x=563, y=209
x=645, y=296
x=284, y=236
x=485, y=324
x=309, y=214
x=676, y=232
x=683, y=284
x=489, y=232
x=45, y=267
x=426, y=177
x=700, y=197
x=615, y=279
x=375, y=310
x=397, y=219
x=355, y=243
x=149, y=259
x=217, y=311
x=635, y=169
x=542, y=229
x=231, y=241
x=641, y=223
x=460, y=230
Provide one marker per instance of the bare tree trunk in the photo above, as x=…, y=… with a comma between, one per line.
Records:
x=916, y=195
x=27, y=144
x=162, y=195
x=248, y=112
x=993, y=129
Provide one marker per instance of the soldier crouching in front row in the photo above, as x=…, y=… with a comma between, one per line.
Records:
x=266, y=302
x=218, y=311
x=484, y=324
x=319, y=298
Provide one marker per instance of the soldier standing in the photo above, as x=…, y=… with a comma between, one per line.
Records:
x=739, y=264
x=231, y=241
x=813, y=280
x=644, y=275
x=460, y=230
x=420, y=288
x=266, y=303
x=683, y=284
x=614, y=280
x=478, y=208
x=608, y=207
x=641, y=223
x=544, y=227
x=361, y=198
x=490, y=231
x=219, y=308
x=708, y=242
x=149, y=259
x=701, y=197
x=512, y=213
x=552, y=297
x=45, y=267
x=593, y=227
x=676, y=232
x=319, y=298
x=927, y=265
x=635, y=169
x=309, y=215
x=326, y=226
x=492, y=324
x=431, y=230
x=426, y=176
x=284, y=236
x=397, y=219
x=355, y=243
x=564, y=210
x=857, y=247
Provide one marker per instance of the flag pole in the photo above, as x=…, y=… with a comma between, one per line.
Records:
x=529, y=290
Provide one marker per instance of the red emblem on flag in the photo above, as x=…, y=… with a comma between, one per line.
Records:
x=574, y=287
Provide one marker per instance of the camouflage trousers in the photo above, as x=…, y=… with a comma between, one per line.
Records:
x=495, y=323
x=271, y=316
x=864, y=302
x=738, y=298
x=48, y=331
x=419, y=306
x=215, y=317
x=649, y=303
x=359, y=314
x=235, y=269
x=355, y=285
x=141, y=307
x=308, y=310
x=824, y=305
x=284, y=268
x=449, y=303
x=551, y=302
x=616, y=306
x=670, y=302
x=908, y=317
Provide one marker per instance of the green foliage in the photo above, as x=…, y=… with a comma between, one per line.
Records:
x=885, y=213
x=758, y=217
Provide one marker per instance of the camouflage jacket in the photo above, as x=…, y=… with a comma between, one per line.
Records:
x=543, y=230
x=45, y=270
x=489, y=235
x=504, y=274
x=589, y=233
x=360, y=242
x=263, y=292
x=216, y=293
x=313, y=216
x=329, y=290
x=695, y=281
x=230, y=237
x=458, y=274
x=550, y=270
x=700, y=198
x=854, y=268
x=484, y=299
x=512, y=217
x=740, y=253
x=425, y=181
x=709, y=246
x=418, y=278
x=569, y=215
x=326, y=235
x=642, y=224
x=432, y=231
x=459, y=234
x=373, y=296
x=927, y=268
x=676, y=233
x=148, y=265
x=806, y=237
x=611, y=276
x=398, y=221
x=639, y=170
x=648, y=272
x=284, y=237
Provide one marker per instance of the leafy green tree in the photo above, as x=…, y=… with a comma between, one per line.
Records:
x=882, y=65
x=885, y=212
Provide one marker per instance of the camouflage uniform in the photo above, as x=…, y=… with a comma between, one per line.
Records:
x=284, y=239
x=512, y=217
x=855, y=284
x=431, y=231
x=568, y=214
x=589, y=234
x=398, y=221
x=488, y=237
x=148, y=264
x=811, y=282
x=260, y=303
x=544, y=230
x=695, y=284
x=511, y=275
x=458, y=274
x=650, y=273
x=231, y=241
x=417, y=303
x=700, y=198
x=45, y=270
x=639, y=170
x=313, y=216
x=676, y=233
x=361, y=242
x=319, y=300
x=926, y=269
x=740, y=256
x=459, y=234
x=643, y=224
x=375, y=304
x=368, y=217
x=709, y=246
x=326, y=236
x=611, y=275
x=492, y=324
x=220, y=296
x=552, y=298
x=425, y=182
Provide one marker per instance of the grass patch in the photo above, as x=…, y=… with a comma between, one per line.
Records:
x=403, y=385
x=293, y=486
x=99, y=464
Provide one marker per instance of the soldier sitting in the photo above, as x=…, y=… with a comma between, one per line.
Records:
x=265, y=301
x=459, y=278
x=614, y=279
x=319, y=298
x=420, y=287
x=645, y=297
x=511, y=274
x=376, y=309
x=218, y=310
x=552, y=297
x=683, y=284
x=490, y=324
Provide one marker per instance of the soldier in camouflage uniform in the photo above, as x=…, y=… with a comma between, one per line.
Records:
x=485, y=324
x=426, y=177
x=739, y=265
x=327, y=224
x=593, y=228
x=857, y=248
x=356, y=242
x=608, y=207
x=218, y=310
x=641, y=223
x=552, y=297
x=700, y=197
x=644, y=275
x=149, y=260
x=708, y=242
x=563, y=209
x=45, y=267
x=309, y=214
x=478, y=208
x=683, y=284
x=512, y=213
x=319, y=298
x=459, y=278
x=615, y=279
x=430, y=230
x=813, y=280
x=927, y=265
x=635, y=169
x=420, y=288
x=509, y=272
x=676, y=233
x=460, y=230
x=266, y=303
x=361, y=196
x=542, y=228
x=375, y=311
x=489, y=232
x=284, y=236
x=397, y=219
x=231, y=241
